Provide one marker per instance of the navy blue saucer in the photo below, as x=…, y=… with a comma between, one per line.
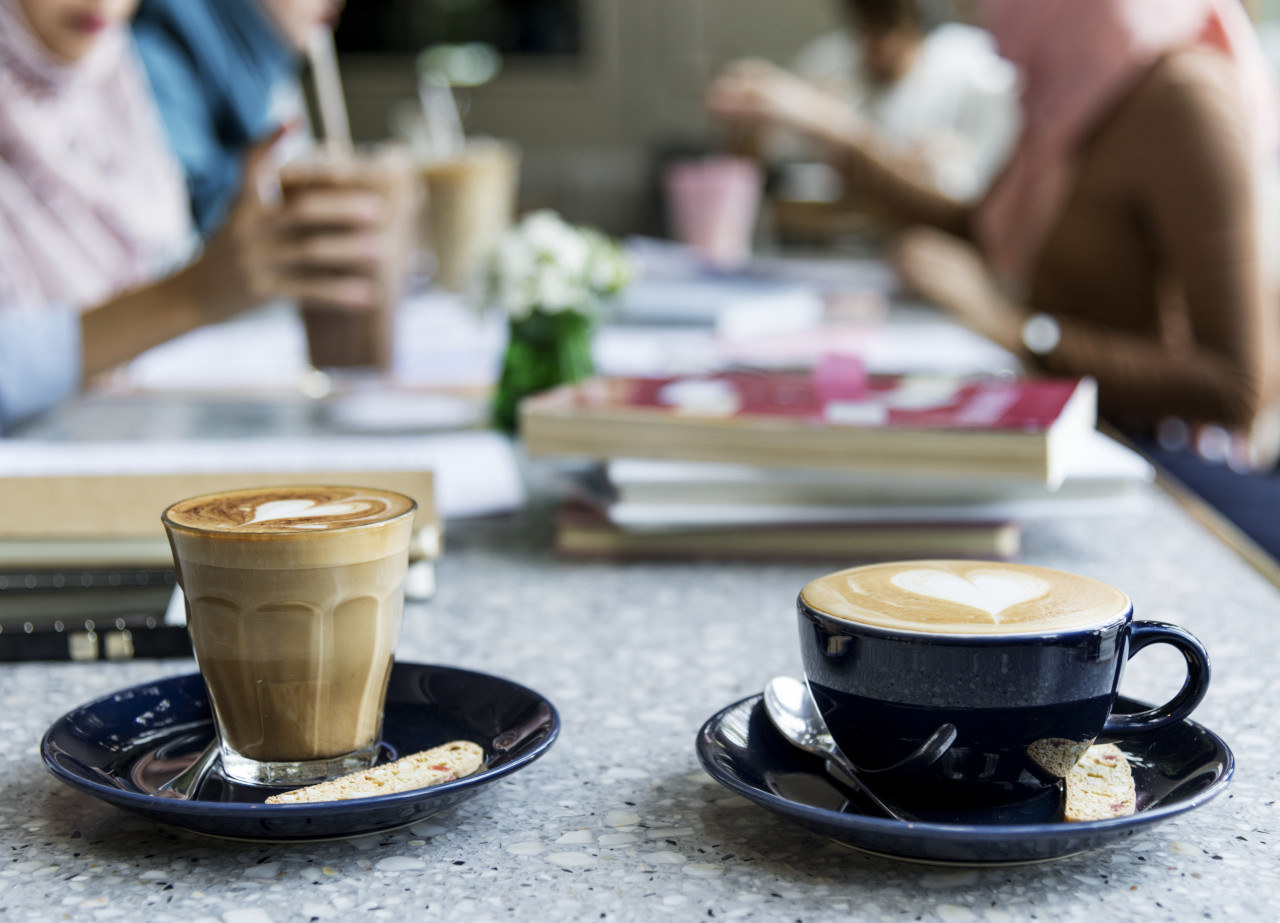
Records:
x=1174, y=770
x=121, y=747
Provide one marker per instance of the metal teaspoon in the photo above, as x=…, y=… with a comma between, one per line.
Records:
x=794, y=713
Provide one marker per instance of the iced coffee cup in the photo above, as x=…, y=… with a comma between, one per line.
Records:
x=294, y=598
x=471, y=200
x=339, y=338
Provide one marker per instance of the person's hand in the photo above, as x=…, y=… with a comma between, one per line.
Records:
x=324, y=244
x=952, y=274
x=756, y=94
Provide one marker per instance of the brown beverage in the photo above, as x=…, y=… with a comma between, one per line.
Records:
x=338, y=338
x=964, y=597
x=294, y=599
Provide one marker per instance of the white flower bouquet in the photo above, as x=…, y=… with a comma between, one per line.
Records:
x=550, y=278
x=546, y=264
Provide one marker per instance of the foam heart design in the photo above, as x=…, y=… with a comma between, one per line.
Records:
x=308, y=509
x=992, y=591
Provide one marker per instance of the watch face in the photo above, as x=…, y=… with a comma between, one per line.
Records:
x=1040, y=334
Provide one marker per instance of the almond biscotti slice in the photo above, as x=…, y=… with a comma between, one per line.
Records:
x=1100, y=786
x=418, y=770
x=1058, y=756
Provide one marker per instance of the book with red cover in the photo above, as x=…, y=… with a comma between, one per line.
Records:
x=995, y=427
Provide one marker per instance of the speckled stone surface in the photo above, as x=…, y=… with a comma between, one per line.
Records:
x=619, y=822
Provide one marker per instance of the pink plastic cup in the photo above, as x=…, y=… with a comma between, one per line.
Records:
x=713, y=204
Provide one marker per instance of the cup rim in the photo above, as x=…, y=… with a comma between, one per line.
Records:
x=287, y=536
x=991, y=638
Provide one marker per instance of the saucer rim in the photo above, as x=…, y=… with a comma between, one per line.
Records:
x=953, y=832
x=197, y=807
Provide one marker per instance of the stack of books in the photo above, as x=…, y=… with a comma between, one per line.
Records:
x=83, y=551
x=85, y=567
x=774, y=465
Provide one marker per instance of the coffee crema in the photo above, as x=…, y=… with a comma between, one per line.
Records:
x=291, y=527
x=287, y=509
x=964, y=597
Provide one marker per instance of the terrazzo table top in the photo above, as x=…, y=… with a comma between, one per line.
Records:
x=618, y=822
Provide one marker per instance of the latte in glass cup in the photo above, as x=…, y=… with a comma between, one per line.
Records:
x=294, y=599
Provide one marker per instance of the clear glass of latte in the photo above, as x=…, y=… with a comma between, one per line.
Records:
x=294, y=598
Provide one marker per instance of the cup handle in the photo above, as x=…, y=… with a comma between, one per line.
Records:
x=1197, y=684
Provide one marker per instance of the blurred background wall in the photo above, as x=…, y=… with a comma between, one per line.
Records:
x=591, y=90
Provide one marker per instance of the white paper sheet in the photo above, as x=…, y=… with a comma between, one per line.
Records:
x=475, y=471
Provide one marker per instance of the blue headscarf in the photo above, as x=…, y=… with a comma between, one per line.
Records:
x=219, y=69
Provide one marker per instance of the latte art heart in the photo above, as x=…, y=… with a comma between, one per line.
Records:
x=992, y=591
x=288, y=510
x=965, y=597
x=274, y=510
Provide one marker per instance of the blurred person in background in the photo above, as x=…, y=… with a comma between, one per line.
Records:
x=934, y=94
x=225, y=74
x=94, y=217
x=1128, y=237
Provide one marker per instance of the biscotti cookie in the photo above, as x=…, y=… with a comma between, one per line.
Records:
x=1056, y=755
x=1100, y=786
x=418, y=770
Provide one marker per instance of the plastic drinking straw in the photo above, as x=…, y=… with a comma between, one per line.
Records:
x=440, y=112
x=328, y=83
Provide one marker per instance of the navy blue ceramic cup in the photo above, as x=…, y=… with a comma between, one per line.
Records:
x=1024, y=661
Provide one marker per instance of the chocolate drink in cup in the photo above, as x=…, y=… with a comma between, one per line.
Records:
x=294, y=599
x=338, y=338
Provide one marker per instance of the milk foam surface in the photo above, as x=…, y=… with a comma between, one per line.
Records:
x=288, y=509
x=287, y=527
x=965, y=597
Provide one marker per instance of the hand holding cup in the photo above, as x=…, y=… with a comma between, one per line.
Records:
x=335, y=243
x=345, y=230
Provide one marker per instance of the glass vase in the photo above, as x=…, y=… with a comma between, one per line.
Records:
x=544, y=350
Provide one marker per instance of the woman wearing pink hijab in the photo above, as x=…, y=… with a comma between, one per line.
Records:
x=1122, y=240
x=94, y=214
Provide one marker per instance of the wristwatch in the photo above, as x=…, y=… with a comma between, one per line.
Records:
x=1040, y=334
